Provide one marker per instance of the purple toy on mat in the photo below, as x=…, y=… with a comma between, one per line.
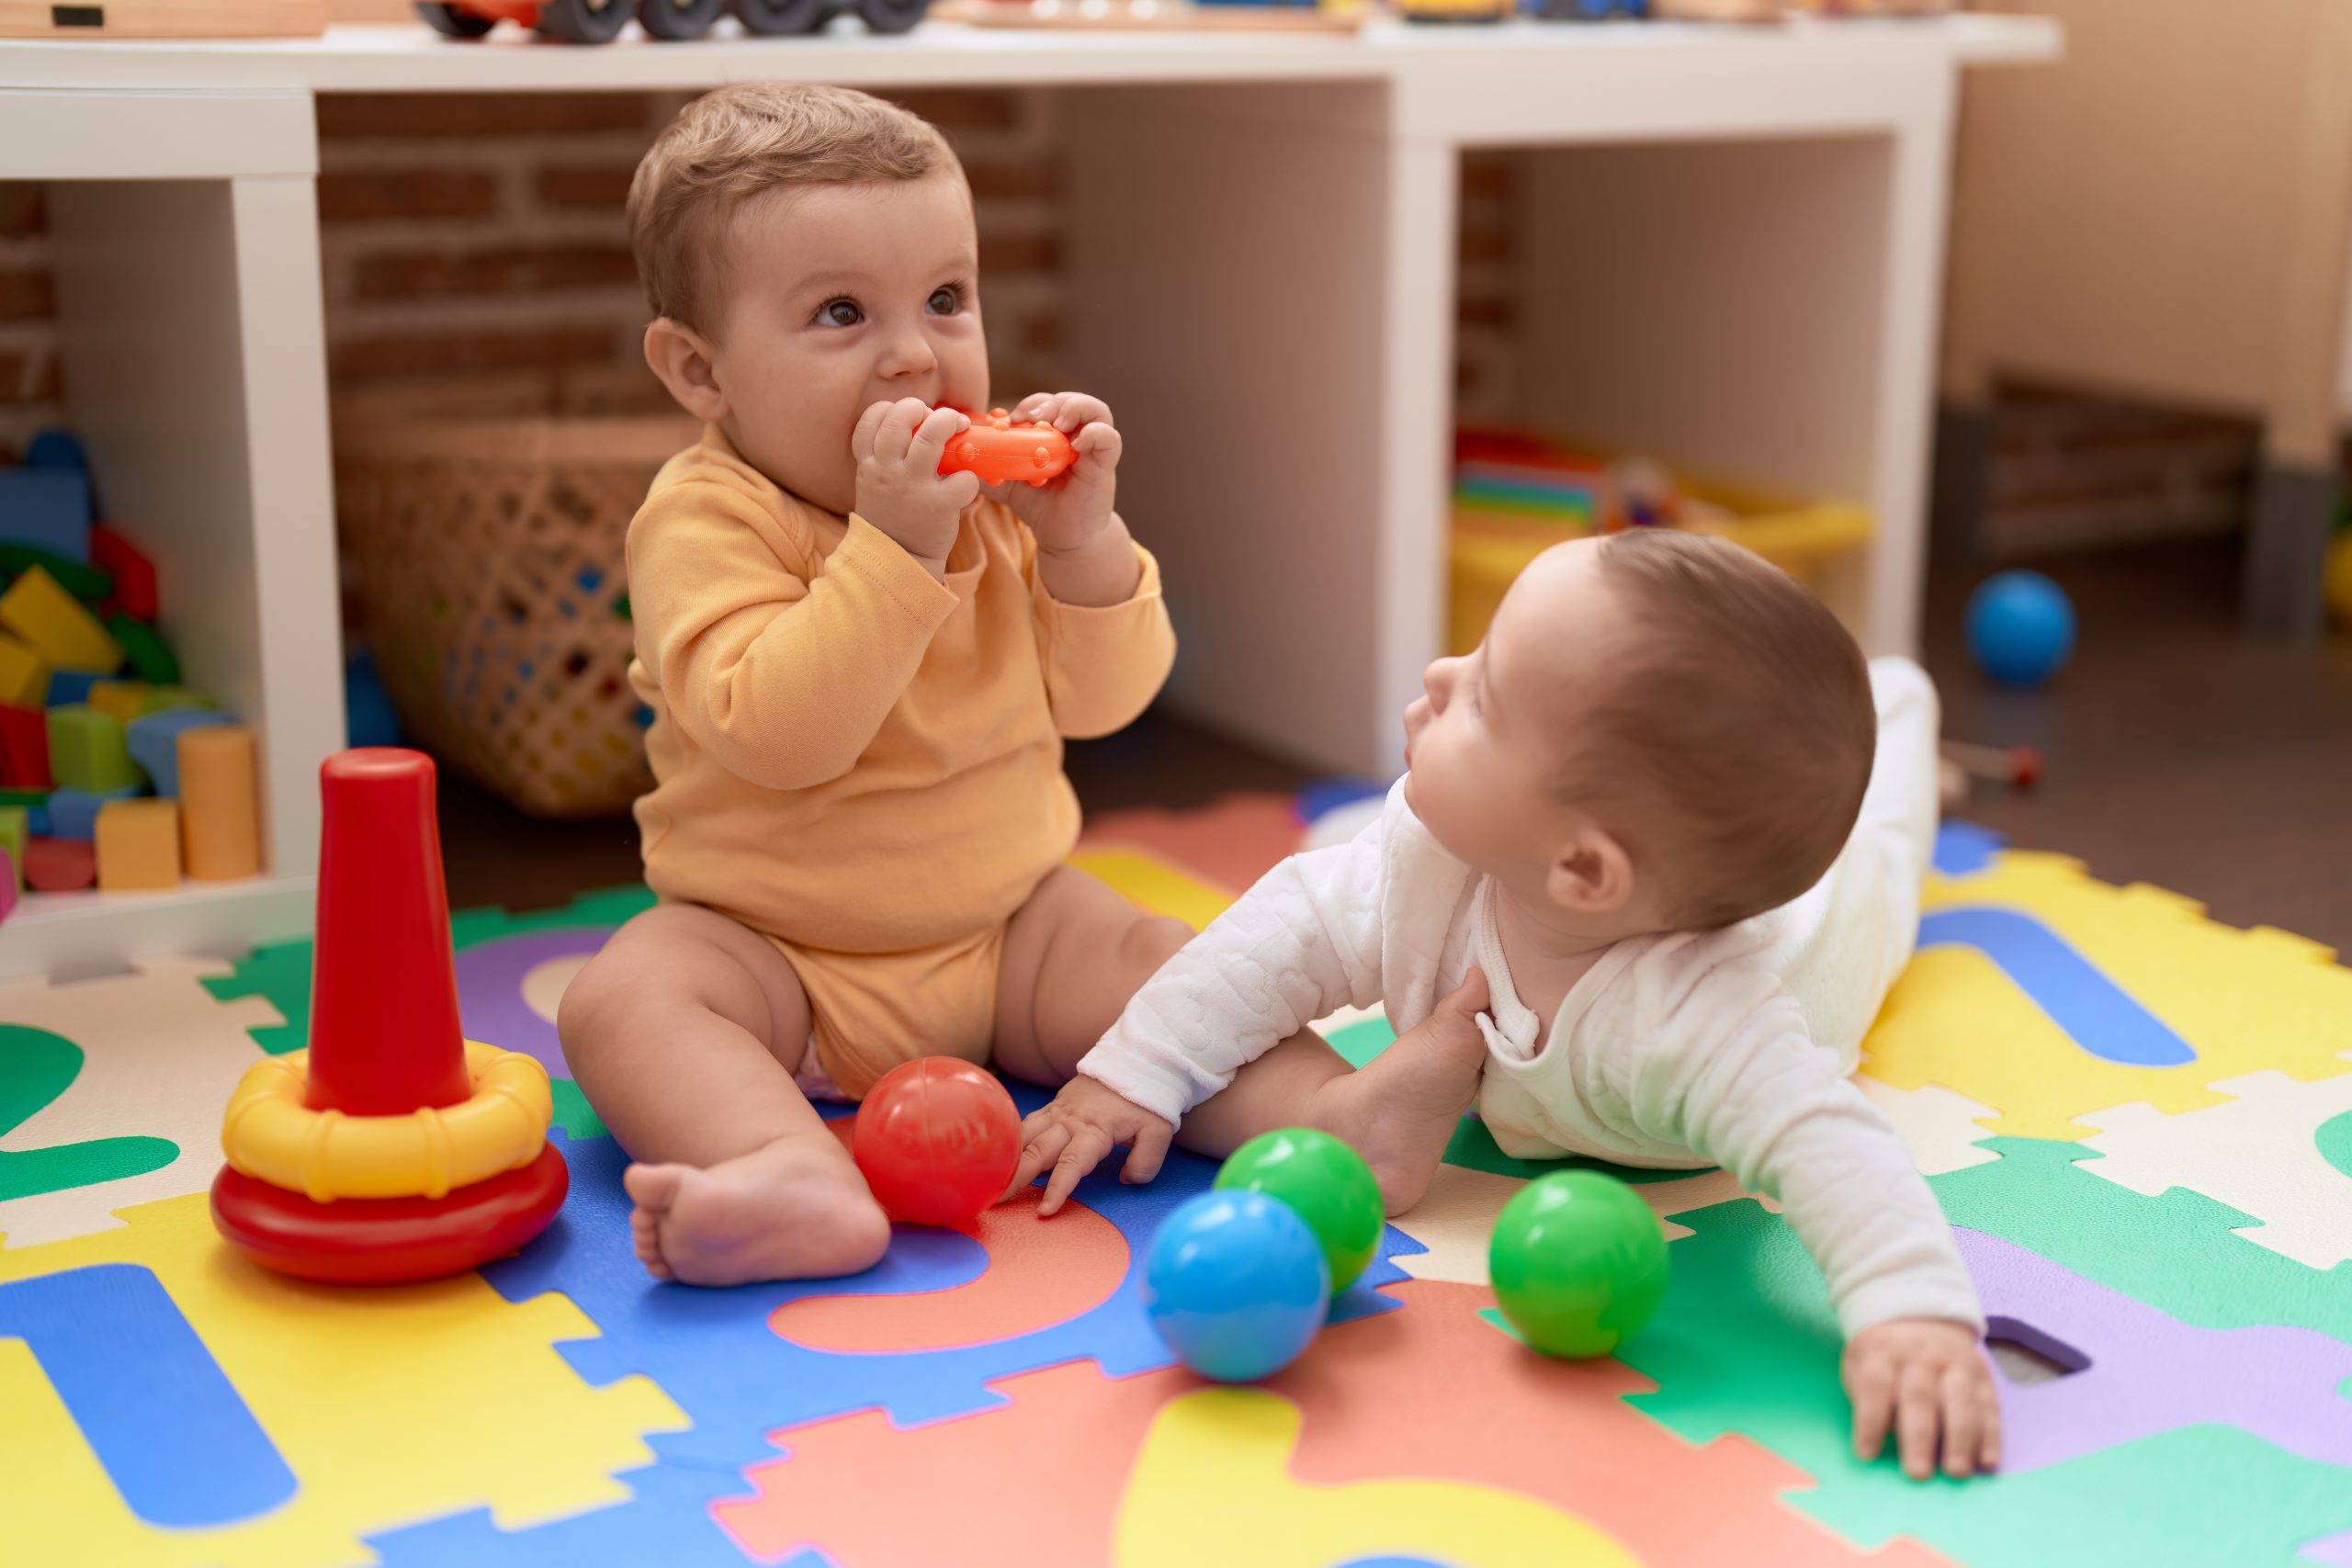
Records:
x=2137, y=1372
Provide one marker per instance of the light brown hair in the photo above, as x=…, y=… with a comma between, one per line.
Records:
x=733, y=144
x=1741, y=726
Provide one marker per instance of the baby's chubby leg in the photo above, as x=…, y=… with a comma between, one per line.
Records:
x=1074, y=955
x=685, y=1032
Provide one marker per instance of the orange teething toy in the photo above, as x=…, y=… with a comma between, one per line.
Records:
x=998, y=450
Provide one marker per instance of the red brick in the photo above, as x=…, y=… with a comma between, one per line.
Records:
x=480, y=114
x=1485, y=246
x=1488, y=177
x=1042, y=335
x=964, y=107
x=574, y=187
x=1013, y=179
x=1485, y=312
x=533, y=269
x=361, y=196
x=1018, y=252
x=372, y=358
x=26, y=295
x=22, y=211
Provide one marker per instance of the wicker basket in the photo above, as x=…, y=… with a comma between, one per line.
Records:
x=486, y=552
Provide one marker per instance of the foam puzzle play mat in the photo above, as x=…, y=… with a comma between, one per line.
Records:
x=2139, y=1120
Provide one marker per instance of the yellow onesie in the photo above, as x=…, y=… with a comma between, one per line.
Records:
x=858, y=761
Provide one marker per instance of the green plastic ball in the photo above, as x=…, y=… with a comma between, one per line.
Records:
x=1578, y=1263
x=1327, y=1182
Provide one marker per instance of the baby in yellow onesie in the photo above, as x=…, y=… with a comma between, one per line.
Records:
x=860, y=673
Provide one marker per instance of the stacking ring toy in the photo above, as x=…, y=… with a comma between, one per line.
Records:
x=271, y=1135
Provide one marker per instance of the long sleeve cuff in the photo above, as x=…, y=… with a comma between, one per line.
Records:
x=1104, y=664
x=1162, y=1083
x=1932, y=1291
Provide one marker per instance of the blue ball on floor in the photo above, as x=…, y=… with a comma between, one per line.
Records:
x=2020, y=627
x=1237, y=1285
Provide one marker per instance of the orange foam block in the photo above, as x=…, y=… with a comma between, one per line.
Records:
x=138, y=845
x=219, y=809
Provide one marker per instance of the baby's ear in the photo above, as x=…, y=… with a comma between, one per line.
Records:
x=682, y=358
x=1591, y=874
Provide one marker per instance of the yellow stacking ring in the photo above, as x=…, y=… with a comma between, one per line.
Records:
x=270, y=1135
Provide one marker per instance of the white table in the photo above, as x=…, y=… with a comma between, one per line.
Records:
x=1732, y=256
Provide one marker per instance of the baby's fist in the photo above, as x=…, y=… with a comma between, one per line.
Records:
x=899, y=488
x=1927, y=1377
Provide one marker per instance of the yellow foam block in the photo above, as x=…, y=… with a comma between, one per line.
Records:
x=1153, y=885
x=1215, y=1467
x=24, y=675
x=391, y=1406
x=139, y=845
x=2242, y=1000
x=126, y=700
x=57, y=625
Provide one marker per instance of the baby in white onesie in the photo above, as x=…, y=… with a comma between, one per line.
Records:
x=1654, y=864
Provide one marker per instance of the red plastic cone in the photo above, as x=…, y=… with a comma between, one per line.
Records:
x=384, y=1034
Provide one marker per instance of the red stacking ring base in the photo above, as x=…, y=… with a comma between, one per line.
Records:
x=383, y=1241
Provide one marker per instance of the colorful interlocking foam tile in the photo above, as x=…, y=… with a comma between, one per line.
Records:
x=2140, y=1122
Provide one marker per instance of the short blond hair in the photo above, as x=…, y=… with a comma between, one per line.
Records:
x=733, y=144
x=1740, y=728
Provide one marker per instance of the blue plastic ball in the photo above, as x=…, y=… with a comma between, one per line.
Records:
x=1236, y=1284
x=2020, y=627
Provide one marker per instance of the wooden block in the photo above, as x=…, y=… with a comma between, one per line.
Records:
x=163, y=19
x=154, y=741
x=60, y=866
x=133, y=591
x=14, y=834
x=88, y=583
x=24, y=749
x=220, y=815
x=54, y=622
x=74, y=813
x=150, y=657
x=48, y=509
x=24, y=674
x=162, y=699
x=122, y=700
x=138, y=845
x=90, y=749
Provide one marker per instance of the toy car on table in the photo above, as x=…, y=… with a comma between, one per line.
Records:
x=599, y=21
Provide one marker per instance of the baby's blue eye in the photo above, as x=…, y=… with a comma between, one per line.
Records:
x=839, y=313
x=945, y=301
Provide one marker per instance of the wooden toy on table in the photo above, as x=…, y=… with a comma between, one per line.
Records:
x=137, y=844
x=219, y=804
x=1000, y=451
x=393, y=1148
x=24, y=674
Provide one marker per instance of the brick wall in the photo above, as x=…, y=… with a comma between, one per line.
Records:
x=469, y=233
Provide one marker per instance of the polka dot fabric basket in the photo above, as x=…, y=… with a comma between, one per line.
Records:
x=485, y=551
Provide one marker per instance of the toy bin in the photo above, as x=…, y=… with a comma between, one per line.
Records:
x=485, y=550
x=1493, y=540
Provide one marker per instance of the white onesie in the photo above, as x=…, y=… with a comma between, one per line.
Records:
x=1726, y=1047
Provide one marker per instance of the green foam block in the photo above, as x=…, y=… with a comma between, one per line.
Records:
x=148, y=654
x=89, y=749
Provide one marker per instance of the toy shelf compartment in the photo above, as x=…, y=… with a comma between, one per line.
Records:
x=1493, y=541
x=195, y=377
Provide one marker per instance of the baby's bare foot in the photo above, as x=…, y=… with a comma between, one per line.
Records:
x=794, y=1209
x=1399, y=1111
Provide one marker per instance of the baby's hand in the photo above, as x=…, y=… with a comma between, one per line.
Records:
x=1077, y=1128
x=1928, y=1378
x=1067, y=513
x=899, y=488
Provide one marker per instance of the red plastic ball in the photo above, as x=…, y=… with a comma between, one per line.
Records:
x=937, y=1139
